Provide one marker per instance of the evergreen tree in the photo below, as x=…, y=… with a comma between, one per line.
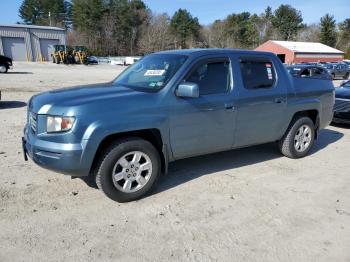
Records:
x=237, y=28
x=344, y=37
x=184, y=26
x=328, y=34
x=43, y=12
x=287, y=21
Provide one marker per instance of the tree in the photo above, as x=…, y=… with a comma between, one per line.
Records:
x=137, y=16
x=44, y=12
x=310, y=33
x=328, y=34
x=287, y=21
x=216, y=35
x=253, y=31
x=237, y=29
x=343, y=41
x=266, y=30
x=86, y=17
x=155, y=34
x=184, y=27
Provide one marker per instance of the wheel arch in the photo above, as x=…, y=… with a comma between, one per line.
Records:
x=313, y=114
x=152, y=135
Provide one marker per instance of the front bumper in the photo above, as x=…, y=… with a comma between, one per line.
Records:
x=61, y=158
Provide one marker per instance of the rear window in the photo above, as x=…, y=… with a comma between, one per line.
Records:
x=257, y=73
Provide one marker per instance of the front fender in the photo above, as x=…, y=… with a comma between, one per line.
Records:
x=99, y=130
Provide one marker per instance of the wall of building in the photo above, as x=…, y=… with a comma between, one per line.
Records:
x=307, y=57
x=292, y=58
x=278, y=50
x=32, y=36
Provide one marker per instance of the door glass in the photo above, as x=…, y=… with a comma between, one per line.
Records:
x=257, y=74
x=305, y=73
x=212, y=78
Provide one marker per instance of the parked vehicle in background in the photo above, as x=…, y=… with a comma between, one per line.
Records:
x=338, y=70
x=131, y=60
x=91, y=60
x=312, y=71
x=5, y=64
x=173, y=105
x=117, y=62
x=347, y=62
x=342, y=104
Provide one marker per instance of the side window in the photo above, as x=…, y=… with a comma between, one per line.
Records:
x=212, y=77
x=257, y=74
x=317, y=71
x=305, y=73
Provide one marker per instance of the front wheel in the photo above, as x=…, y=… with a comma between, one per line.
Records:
x=128, y=170
x=299, y=138
x=3, y=69
x=346, y=76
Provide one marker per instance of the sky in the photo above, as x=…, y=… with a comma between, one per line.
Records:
x=208, y=11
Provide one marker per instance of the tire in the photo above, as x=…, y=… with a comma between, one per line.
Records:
x=333, y=76
x=346, y=76
x=3, y=69
x=289, y=143
x=115, y=187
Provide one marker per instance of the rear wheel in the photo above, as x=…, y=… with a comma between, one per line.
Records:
x=128, y=170
x=298, y=139
x=346, y=76
x=333, y=76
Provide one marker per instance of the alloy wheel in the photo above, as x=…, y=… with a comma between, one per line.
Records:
x=302, y=138
x=132, y=172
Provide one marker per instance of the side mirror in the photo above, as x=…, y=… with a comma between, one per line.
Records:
x=188, y=89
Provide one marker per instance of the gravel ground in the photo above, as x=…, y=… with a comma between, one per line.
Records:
x=244, y=205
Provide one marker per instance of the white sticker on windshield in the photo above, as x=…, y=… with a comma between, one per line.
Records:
x=154, y=73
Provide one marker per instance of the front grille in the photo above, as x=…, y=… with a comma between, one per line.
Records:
x=32, y=122
x=342, y=105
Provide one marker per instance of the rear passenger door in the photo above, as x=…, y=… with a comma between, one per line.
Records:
x=262, y=101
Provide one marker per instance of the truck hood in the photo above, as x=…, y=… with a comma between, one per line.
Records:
x=342, y=93
x=81, y=97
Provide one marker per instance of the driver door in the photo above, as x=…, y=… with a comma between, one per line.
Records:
x=205, y=124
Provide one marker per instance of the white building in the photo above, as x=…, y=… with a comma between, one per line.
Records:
x=29, y=42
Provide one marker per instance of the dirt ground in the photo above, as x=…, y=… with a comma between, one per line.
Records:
x=244, y=205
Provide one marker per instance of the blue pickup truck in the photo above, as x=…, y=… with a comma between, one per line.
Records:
x=173, y=105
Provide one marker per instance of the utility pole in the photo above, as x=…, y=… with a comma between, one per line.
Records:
x=50, y=18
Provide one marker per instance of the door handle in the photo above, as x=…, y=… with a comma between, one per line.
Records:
x=280, y=100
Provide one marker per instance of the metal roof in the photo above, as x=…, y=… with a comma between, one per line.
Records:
x=307, y=47
x=32, y=27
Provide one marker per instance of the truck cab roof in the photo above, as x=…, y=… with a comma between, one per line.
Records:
x=212, y=51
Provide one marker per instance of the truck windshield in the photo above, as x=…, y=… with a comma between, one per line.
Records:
x=152, y=72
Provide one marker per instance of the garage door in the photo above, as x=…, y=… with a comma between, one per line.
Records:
x=46, y=48
x=14, y=48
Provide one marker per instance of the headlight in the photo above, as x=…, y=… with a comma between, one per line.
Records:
x=59, y=124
